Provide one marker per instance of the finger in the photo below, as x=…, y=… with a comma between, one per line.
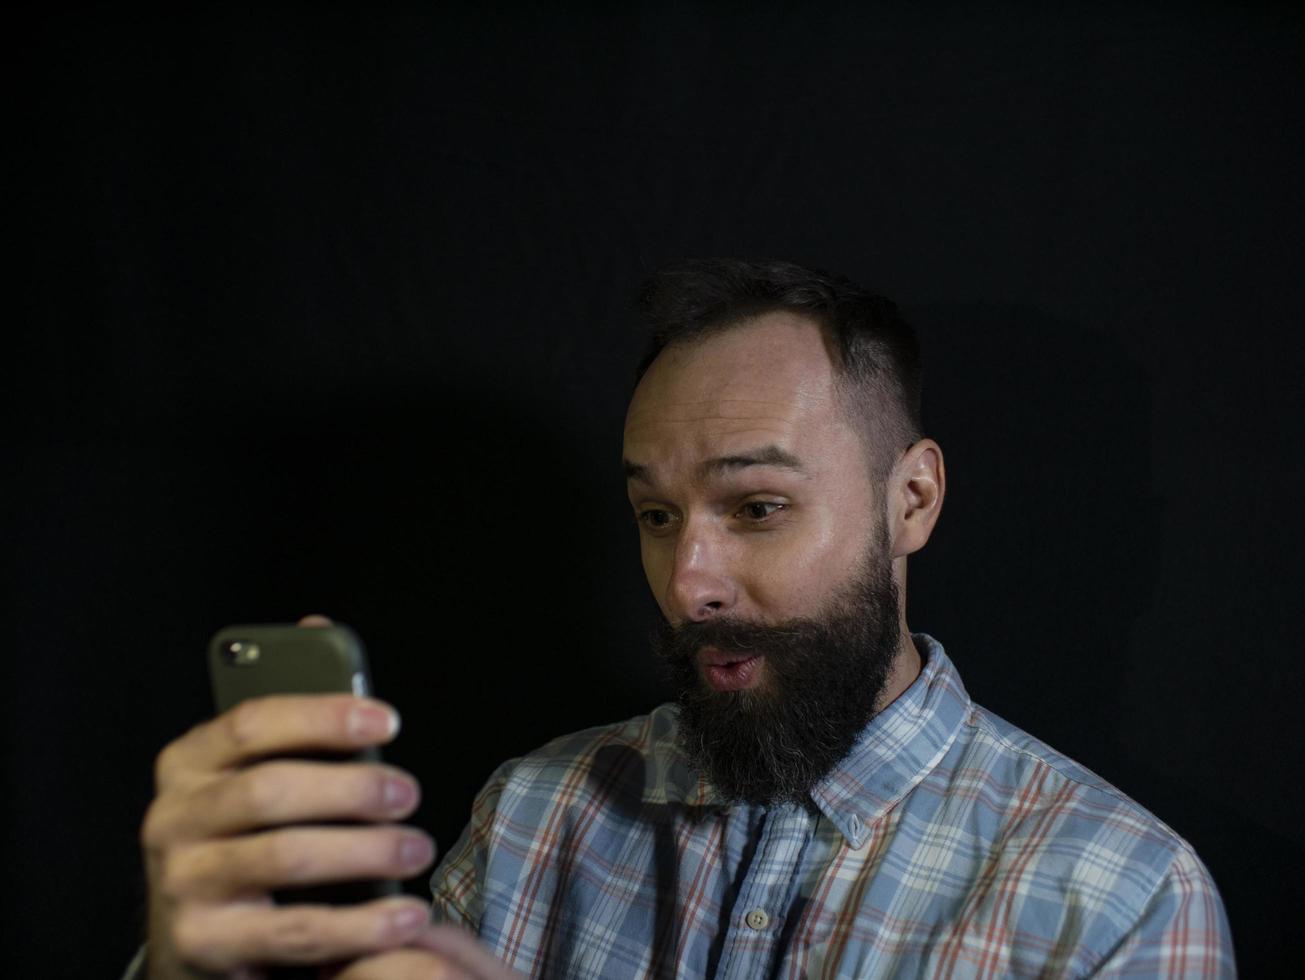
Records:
x=277, y=726
x=223, y=937
x=259, y=863
x=403, y=964
x=464, y=949
x=280, y=792
x=315, y=621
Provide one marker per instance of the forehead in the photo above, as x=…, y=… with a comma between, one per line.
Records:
x=770, y=380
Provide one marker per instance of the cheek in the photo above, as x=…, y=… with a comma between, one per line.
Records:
x=797, y=573
x=656, y=569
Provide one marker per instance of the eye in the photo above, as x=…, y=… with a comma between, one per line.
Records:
x=654, y=519
x=757, y=511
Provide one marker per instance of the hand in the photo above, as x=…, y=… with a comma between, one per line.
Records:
x=438, y=953
x=222, y=834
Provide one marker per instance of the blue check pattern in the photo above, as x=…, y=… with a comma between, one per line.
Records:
x=948, y=844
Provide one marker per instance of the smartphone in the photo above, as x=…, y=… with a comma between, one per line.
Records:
x=255, y=661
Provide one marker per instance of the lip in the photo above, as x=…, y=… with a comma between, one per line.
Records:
x=731, y=670
x=716, y=657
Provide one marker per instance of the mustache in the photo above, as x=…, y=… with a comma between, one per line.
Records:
x=682, y=642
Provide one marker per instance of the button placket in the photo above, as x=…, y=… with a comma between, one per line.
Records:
x=766, y=893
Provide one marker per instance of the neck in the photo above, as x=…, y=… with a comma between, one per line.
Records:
x=906, y=668
x=907, y=664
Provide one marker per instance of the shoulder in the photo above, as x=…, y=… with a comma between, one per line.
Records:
x=1060, y=827
x=1038, y=779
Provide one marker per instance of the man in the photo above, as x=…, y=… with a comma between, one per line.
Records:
x=823, y=800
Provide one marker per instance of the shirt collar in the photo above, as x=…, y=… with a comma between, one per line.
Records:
x=898, y=748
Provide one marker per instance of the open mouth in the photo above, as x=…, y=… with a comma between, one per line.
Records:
x=728, y=670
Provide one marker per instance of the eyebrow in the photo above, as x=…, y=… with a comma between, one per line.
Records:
x=770, y=455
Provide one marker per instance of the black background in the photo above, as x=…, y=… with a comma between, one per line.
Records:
x=327, y=309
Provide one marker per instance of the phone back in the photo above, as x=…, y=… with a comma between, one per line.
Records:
x=258, y=660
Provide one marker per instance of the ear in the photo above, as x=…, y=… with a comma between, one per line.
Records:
x=915, y=491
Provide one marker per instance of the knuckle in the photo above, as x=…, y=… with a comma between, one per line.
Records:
x=351, y=790
x=190, y=938
x=244, y=721
x=152, y=828
x=286, y=858
x=198, y=869
x=167, y=762
x=262, y=790
x=296, y=934
x=173, y=875
x=173, y=758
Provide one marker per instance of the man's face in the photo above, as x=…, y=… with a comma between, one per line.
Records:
x=760, y=540
x=749, y=482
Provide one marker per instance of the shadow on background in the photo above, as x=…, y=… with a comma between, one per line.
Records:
x=489, y=565
x=479, y=555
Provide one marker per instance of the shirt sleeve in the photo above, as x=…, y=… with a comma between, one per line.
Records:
x=1182, y=932
x=458, y=883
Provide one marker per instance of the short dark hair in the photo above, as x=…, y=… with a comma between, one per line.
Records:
x=878, y=350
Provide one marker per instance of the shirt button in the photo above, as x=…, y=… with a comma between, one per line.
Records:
x=757, y=919
x=856, y=832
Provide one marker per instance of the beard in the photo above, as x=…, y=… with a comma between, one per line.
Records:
x=820, y=680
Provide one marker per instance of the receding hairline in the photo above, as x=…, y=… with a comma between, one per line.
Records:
x=870, y=404
x=741, y=320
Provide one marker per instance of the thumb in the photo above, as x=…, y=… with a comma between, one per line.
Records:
x=462, y=948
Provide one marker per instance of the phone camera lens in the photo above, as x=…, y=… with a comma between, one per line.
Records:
x=241, y=653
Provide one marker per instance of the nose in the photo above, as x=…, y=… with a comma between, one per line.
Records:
x=701, y=585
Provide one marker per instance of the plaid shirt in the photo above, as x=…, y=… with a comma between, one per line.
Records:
x=947, y=844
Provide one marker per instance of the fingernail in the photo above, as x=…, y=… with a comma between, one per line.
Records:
x=398, y=794
x=416, y=851
x=408, y=917
x=372, y=720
